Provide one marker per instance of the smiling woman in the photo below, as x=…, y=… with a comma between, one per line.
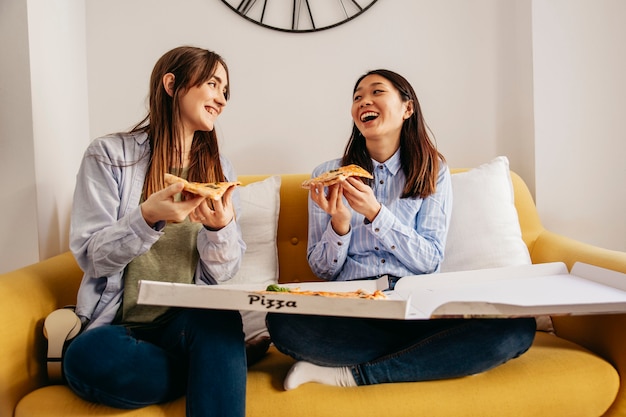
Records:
x=396, y=226
x=202, y=103
x=128, y=223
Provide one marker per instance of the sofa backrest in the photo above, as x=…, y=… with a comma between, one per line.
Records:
x=293, y=222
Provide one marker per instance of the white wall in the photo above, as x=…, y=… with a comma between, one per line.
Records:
x=43, y=124
x=580, y=91
x=60, y=119
x=470, y=61
x=18, y=202
x=514, y=85
x=291, y=93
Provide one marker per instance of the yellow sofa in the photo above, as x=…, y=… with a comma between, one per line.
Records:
x=580, y=371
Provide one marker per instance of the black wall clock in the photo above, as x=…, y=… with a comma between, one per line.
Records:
x=299, y=15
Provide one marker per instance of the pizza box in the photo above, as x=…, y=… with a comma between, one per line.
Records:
x=529, y=290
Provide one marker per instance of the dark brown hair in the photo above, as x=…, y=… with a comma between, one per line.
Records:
x=419, y=156
x=191, y=67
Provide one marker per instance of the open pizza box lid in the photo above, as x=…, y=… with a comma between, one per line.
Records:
x=529, y=290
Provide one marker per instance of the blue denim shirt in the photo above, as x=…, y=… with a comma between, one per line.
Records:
x=107, y=229
x=407, y=237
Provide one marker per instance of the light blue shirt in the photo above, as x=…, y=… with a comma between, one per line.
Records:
x=407, y=237
x=107, y=229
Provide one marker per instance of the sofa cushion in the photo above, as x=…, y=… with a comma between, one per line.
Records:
x=554, y=378
x=484, y=227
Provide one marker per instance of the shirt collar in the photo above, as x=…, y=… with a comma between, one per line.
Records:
x=140, y=136
x=392, y=164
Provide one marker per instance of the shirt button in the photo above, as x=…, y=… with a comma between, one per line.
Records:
x=377, y=230
x=334, y=261
x=375, y=247
x=381, y=182
x=382, y=261
x=380, y=167
x=393, y=247
x=339, y=243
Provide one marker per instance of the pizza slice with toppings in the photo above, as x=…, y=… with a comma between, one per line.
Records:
x=376, y=295
x=337, y=175
x=212, y=190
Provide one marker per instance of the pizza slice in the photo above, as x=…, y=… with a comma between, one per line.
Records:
x=337, y=175
x=376, y=295
x=212, y=190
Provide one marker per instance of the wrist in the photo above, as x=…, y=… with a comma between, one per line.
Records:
x=146, y=215
x=340, y=228
x=372, y=215
x=212, y=228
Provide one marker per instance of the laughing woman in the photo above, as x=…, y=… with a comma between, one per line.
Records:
x=396, y=226
x=127, y=225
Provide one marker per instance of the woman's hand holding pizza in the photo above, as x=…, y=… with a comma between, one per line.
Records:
x=215, y=214
x=161, y=206
x=361, y=198
x=344, y=182
x=333, y=205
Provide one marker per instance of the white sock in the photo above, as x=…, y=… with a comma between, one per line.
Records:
x=302, y=372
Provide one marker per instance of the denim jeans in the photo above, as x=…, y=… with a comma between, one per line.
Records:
x=380, y=351
x=200, y=353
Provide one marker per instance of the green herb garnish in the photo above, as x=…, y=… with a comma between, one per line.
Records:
x=276, y=288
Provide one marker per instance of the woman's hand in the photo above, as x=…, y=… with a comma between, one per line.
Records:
x=215, y=214
x=333, y=205
x=361, y=198
x=161, y=206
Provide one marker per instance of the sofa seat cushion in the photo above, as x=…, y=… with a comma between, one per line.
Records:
x=554, y=378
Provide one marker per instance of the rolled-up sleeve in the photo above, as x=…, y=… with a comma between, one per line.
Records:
x=101, y=243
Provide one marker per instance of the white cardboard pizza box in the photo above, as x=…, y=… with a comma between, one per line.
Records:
x=529, y=290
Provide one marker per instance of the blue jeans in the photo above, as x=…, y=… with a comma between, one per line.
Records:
x=381, y=351
x=199, y=353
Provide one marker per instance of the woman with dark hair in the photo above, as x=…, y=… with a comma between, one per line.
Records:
x=396, y=226
x=127, y=225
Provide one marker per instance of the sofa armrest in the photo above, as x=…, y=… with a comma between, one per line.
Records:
x=27, y=296
x=552, y=247
x=602, y=334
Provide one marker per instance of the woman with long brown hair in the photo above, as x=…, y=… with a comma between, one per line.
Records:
x=395, y=225
x=127, y=225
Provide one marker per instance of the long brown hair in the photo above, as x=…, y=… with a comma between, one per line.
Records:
x=191, y=67
x=419, y=156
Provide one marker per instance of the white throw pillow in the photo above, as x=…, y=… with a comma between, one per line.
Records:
x=484, y=227
x=260, y=207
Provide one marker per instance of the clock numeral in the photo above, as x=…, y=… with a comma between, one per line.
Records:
x=355, y=3
x=245, y=6
x=295, y=17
